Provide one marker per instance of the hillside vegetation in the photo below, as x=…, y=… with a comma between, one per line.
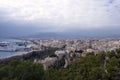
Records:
x=103, y=66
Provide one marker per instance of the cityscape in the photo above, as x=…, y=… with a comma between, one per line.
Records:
x=68, y=47
x=37, y=44
x=59, y=39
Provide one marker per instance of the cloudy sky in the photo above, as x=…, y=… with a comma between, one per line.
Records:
x=59, y=15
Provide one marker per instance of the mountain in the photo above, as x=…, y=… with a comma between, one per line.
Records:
x=46, y=35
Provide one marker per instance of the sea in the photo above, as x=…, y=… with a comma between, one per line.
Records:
x=4, y=54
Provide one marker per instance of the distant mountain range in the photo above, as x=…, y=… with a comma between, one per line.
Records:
x=64, y=35
x=27, y=32
x=46, y=35
x=71, y=35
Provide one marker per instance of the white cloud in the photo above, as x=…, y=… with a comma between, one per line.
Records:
x=83, y=13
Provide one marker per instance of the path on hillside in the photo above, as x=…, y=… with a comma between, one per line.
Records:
x=105, y=62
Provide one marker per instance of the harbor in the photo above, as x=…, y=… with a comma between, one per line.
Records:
x=12, y=47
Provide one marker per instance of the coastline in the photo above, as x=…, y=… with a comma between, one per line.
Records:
x=20, y=54
x=7, y=51
x=34, y=54
x=16, y=56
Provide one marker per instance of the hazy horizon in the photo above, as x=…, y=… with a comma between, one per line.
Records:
x=78, y=18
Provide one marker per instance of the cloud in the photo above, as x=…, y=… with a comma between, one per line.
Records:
x=80, y=13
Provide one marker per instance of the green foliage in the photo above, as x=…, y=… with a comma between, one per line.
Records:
x=18, y=70
x=39, y=54
x=90, y=67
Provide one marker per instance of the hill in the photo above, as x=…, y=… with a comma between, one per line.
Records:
x=103, y=66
